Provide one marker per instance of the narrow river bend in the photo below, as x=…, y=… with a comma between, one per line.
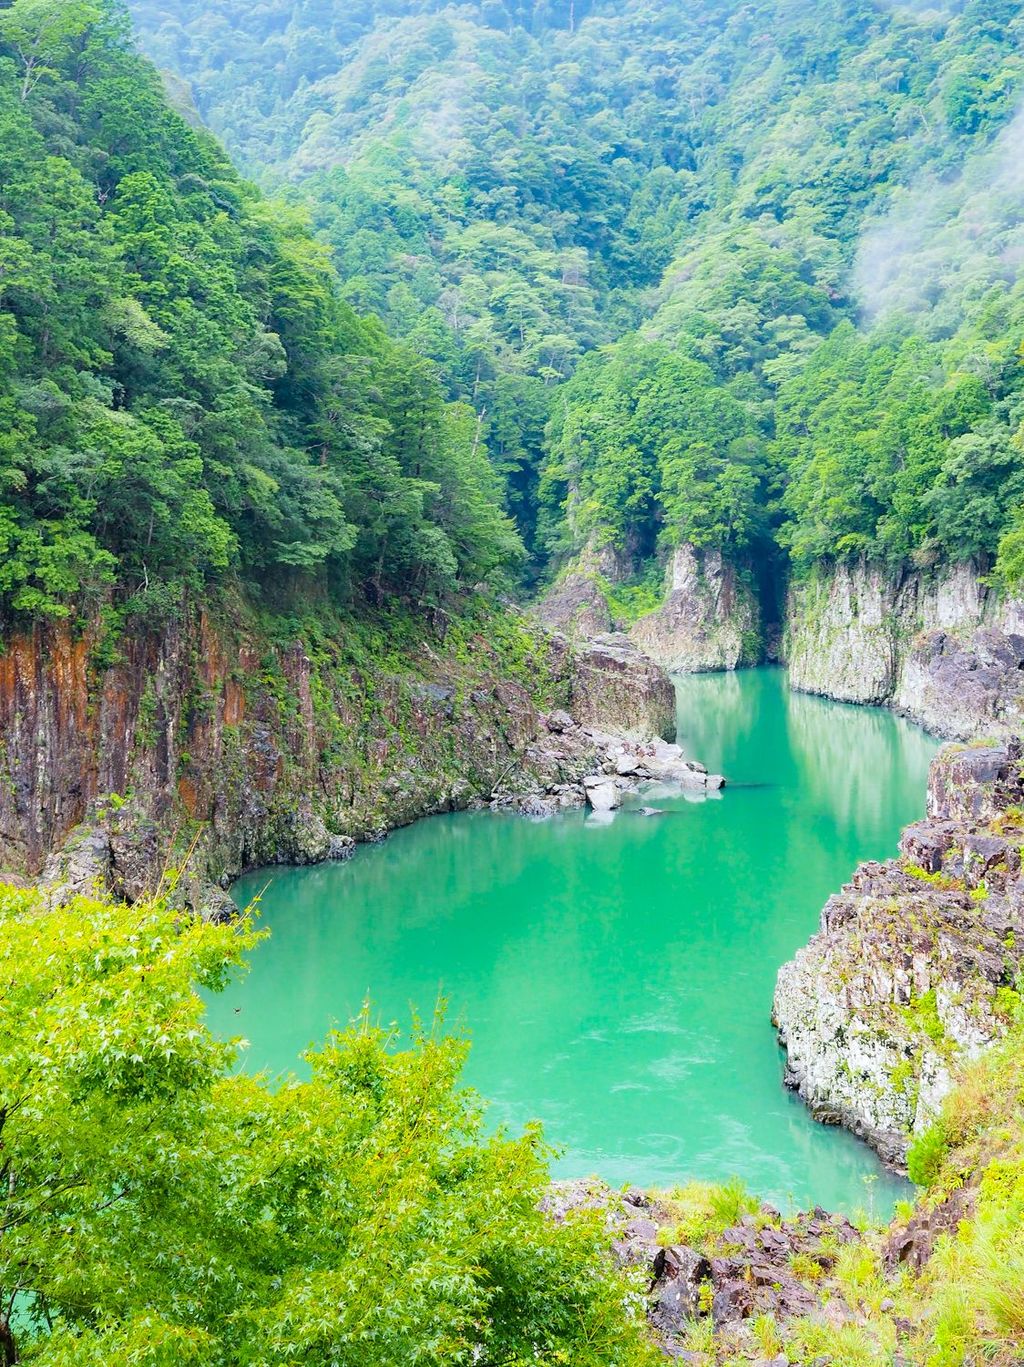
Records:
x=615, y=975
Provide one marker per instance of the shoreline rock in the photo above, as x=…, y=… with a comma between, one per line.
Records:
x=945, y=650
x=575, y=765
x=914, y=969
x=206, y=744
x=748, y=1269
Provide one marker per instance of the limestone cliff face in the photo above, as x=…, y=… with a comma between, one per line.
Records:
x=710, y=619
x=943, y=648
x=915, y=965
x=268, y=751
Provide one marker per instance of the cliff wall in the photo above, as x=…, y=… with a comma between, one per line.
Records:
x=916, y=967
x=943, y=648
x=710, y=619
x=262, y=749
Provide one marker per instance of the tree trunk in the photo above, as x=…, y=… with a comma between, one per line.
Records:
x=8, y=1347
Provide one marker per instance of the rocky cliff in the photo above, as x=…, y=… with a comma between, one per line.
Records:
x=916, y=966
x=261, y=747
x=944, y=648
x=710, y=618
x=577, y=602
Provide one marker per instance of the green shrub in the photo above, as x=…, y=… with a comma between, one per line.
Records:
x=927, y=1154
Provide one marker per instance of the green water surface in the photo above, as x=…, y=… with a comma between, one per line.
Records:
x=615, y=975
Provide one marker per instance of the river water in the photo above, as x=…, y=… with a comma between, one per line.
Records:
x=615, y=975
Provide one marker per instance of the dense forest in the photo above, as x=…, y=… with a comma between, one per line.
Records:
x=186, y=397
x=743, y=274
x=739, y=275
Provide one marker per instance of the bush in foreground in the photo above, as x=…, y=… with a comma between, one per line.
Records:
x=157, y=1207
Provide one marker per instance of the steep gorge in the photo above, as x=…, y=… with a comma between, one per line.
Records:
x=946, y=648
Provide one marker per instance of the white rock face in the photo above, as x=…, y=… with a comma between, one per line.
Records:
x=709, y=620
x=945, y=649
x=634, y=764
x=606, y=798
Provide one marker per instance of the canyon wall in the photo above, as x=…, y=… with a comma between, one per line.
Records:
x=917, y=964
x=943, y=648
x=260, y=750
x=710, y=619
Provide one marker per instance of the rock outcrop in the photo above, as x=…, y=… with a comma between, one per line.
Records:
x=617, y=689
x=710, y=619
x=572, y=765
x=944, y=649
x=761, y=1266
x=915, y=967
x=576, y=604
x=211, y=739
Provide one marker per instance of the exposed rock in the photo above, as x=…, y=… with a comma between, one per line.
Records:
x=576, y=604
x=571, y=765
x=340, y=848
x=209, y=726
x=916, y=959
x=975, y=784
x=81, y=865
x=746, y=1271
x=603, y=794
x=617, y=689
x=679, y=1274
x=945, y=649
x=912, y=1244
x=273, y=758
x=710, y=618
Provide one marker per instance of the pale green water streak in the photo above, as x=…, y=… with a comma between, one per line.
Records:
x=616, y=977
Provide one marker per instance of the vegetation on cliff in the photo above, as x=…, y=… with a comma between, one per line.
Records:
x=185, y=396
x=158, y=1206
x=803, y=218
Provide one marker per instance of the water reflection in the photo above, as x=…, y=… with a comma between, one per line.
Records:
x=616, y=975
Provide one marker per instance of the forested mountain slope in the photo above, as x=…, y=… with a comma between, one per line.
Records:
x=806, y=213
x=248, y=550
x=185, y=396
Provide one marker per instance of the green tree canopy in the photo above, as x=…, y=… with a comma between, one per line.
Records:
x=159, y=1207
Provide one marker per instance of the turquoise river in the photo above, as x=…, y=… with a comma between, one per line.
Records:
x=615, y=975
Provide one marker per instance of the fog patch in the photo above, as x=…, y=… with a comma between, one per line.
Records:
x=944, y=240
